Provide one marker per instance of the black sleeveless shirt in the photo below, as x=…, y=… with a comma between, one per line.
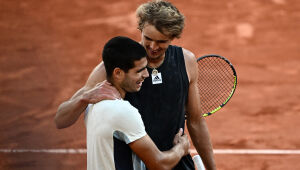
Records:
x=162, y=106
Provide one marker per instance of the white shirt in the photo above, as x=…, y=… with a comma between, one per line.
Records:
x=104, y=120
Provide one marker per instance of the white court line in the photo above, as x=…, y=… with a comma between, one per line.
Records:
x=252, y=151
x=193, y=151
x=69, y=151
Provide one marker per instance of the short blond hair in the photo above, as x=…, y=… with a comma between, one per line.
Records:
x=163, y=15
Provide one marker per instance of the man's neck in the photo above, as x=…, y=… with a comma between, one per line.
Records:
x=119, y=89
x=154, y=63
x=122, y=92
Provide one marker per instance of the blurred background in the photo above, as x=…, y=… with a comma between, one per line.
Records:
x=48, y=49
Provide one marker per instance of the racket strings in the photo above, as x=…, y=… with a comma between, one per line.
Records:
x=215, y=82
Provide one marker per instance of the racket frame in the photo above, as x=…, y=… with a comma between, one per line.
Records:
x=234, y=84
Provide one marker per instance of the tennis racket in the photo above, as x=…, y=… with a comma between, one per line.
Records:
x=217, y=81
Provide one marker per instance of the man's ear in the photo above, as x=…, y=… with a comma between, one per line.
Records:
x=118, y=73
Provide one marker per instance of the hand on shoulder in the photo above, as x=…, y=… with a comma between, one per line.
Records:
x=102, y=91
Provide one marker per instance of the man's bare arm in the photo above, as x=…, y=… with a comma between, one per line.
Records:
x=196, y=124
x=69, y=111
x=154, y=159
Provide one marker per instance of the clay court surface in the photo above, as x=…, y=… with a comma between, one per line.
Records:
x=48, y=49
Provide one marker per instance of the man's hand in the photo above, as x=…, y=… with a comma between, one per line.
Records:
x=182, y=140
x=102, y=91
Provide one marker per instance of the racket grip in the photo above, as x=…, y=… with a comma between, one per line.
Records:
x=198, y=162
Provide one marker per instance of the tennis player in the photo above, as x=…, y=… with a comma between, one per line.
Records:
x=125, y=63
x=166, y=96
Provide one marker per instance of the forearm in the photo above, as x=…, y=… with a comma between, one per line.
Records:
x=200, y=137
x=68, y=112
x=170, y=158
x=155, y=159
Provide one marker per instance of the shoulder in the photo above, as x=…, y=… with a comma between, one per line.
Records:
x=116, y=105
x=189, y=57
x=121, y=108
x=125, y=105
x=128, y=122
x=115, y=110
x=190, y=63
x=128, y=113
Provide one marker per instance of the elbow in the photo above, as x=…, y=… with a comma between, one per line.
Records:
x=60, y=119
x=59, y=126
x=191, y=125
x=195, y=123
x=58, y=123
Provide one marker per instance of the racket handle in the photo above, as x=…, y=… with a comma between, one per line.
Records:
x=198, y=162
